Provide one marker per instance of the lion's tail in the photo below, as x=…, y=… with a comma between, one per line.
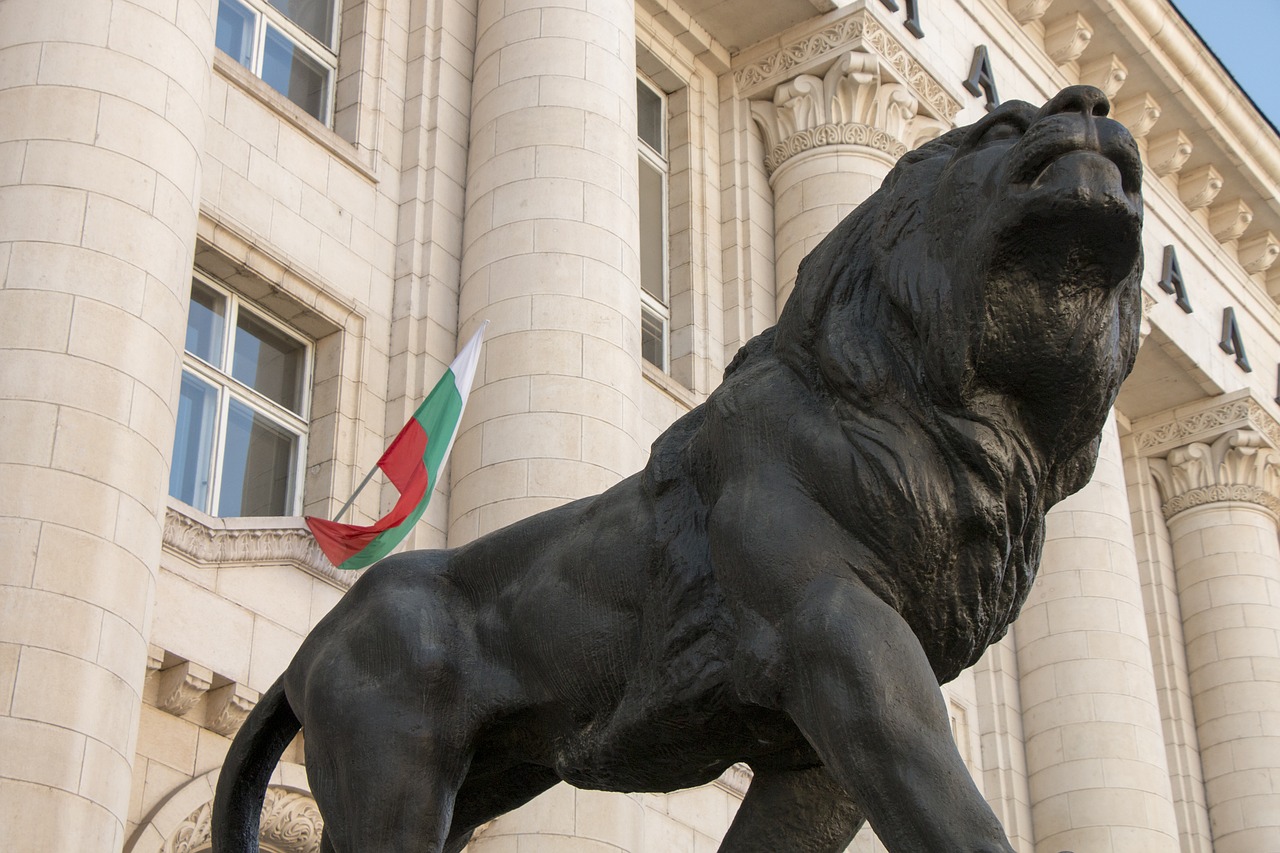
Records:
x=237, y=804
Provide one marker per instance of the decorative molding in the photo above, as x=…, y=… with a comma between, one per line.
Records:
x=228, y=707
x=290, y=823
x=1167, y=154
x=832, y=134
x=1239, y=465
x=1229, y=220
x=1138, y=114
x=1026, y=11
x=856, y=32
x=736, y=780
x=1148, y=303
x=1260, y=253
x=1156, y=436
x=209, y=545
x=182, y=686
x=851, y=104
x=1066, y=38
x=1199, y=187
x=1108, y=74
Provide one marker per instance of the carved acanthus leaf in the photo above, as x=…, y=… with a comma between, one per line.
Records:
x=1260, y=253
x=1138, y=114
x=858, y=33
x=1108, y=74
x=182, y=686
x=1229, y=220
x=1239, y=465
x=1168, y=153
x=1199, y=187
x=290, y=822
x=228, y=707
x=1026, y=11
x=1066, y=38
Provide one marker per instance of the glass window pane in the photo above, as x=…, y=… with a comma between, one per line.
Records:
x=653, y=345
x=235, y=31
x=193, y=442
x=257, y=464
x=314, y=16
x=288, y=70
x=206, y=320
x=268, y=361
x=649, y=117
x=653, y=232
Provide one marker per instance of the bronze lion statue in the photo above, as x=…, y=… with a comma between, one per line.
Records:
x=850, y=519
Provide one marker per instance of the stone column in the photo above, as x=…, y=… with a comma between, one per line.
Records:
x=102, y=116
x=830, y=141
x=1096, y=764
x=1222, y=501
x=550, y=256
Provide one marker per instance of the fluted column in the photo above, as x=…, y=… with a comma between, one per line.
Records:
x=1222, y=500
x=1096, y=764
x=829, y=141
x=550, y=256
x=102, y=113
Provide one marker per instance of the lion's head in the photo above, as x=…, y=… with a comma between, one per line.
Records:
x=998, y=263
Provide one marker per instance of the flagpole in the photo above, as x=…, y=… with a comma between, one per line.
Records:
x=360, y=488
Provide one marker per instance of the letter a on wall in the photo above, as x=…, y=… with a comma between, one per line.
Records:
x=981, y=78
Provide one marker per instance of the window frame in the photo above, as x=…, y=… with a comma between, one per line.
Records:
x=228, y=387
x=325, y=55
x=660, y=162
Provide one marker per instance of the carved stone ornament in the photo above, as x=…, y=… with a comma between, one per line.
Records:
x=1238, y=466
x=1066, y=38
x=1158, y=435
x=857, y=32
x=1199, y=187
x=1167, y=154
x=1260, y=253
x=228, y=706
x=182, y=686
x=208, y=545
x=1026, y=11
x=1229, y=220
x=1139, y=114
x=291, y=823
x=851, y=104
x=1108, y=74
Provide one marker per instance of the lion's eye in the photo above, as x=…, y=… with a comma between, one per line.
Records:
x=1000, y=131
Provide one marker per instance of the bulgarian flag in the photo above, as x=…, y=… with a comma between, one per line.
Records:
x=412, y=463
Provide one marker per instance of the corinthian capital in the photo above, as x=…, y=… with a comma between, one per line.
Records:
x=852, y=103
x=1239, y=465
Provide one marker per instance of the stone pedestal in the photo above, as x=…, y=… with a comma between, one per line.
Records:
x=1222, y=500
x=550, y=256
x=1096, y=763
x=102, y=118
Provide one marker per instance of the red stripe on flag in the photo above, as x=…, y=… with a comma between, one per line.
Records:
x=404, y=463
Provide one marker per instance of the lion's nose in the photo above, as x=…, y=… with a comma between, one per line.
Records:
x=1086, y=100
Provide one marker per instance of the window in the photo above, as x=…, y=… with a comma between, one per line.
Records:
x=240, y=435
x=655, y=305
x=290, y=44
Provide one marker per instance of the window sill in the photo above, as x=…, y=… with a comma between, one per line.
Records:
x=247, y=82
x=669, y=386
x=209, y=542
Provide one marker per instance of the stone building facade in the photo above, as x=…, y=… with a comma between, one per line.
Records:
x=240, y=239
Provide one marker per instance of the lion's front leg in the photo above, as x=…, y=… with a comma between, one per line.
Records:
x=865, y=697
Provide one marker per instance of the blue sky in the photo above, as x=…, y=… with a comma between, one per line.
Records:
x=1243, y=35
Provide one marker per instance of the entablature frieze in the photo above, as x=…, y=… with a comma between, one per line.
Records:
x=1204, y=422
